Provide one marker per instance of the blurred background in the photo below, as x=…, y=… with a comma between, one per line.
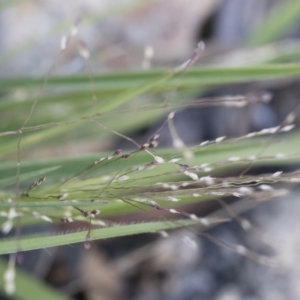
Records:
x=122, y=35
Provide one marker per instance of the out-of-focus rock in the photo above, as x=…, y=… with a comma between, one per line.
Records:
x=116, y=32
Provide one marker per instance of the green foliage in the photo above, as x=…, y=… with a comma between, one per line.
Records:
x=100, y=181
x=89, y=189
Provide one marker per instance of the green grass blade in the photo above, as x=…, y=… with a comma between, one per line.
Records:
x=196, y=77
x=280, y=19
x=125, y=79
x=39, y=242
x=29, y=288
x=26, y=176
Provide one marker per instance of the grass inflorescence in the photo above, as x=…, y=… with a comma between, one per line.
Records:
x=88, y=190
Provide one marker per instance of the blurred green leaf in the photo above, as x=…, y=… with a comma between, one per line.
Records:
x=25, y=176
x=281, y=18
x=134, y=84
x=28, y=287
x=157, y=78
x=37, y=242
